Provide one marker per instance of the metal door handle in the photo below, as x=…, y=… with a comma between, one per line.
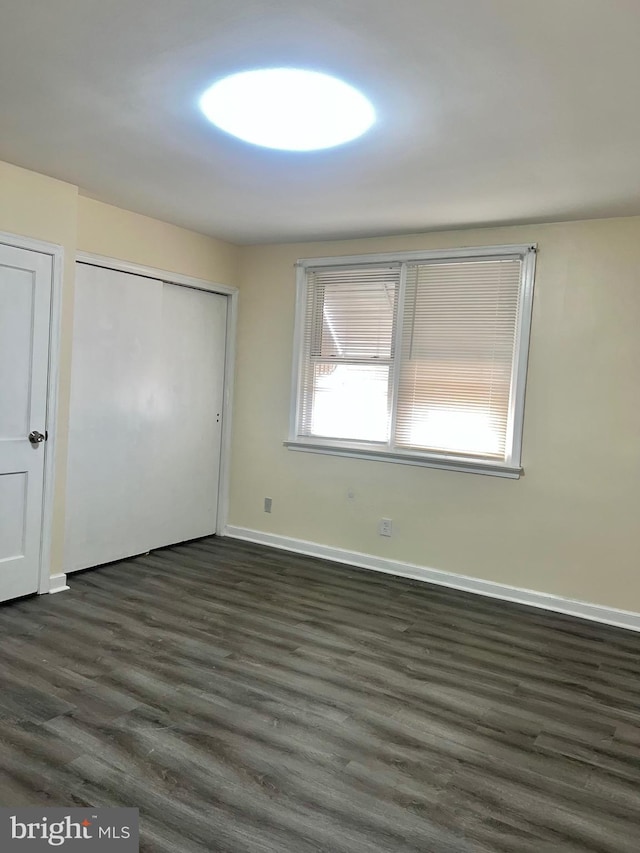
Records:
x=36, y=437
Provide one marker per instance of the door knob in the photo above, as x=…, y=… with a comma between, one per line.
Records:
x=36, y=437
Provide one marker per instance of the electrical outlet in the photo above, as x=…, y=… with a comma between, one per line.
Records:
x=267, y=504
x=385, y=527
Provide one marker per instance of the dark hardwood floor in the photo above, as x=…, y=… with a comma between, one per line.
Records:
x=253, y=701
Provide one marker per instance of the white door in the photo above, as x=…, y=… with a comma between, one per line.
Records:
x=146, y=415
x=25, y=308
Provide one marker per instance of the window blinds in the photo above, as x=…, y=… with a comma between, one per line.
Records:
x=458, y=341
x=348, y=346
x=353, y=312
x=423, y=368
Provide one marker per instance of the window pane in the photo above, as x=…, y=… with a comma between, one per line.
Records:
x=459, y=335
x=354, y=313
x=350, y=401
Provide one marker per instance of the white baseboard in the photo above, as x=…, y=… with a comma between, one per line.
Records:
x=58, y=583
x=544, y=601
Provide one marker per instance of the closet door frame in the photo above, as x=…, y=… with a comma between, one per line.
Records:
x=229, y=361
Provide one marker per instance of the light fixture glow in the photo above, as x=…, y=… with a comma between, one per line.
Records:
x=288, y=108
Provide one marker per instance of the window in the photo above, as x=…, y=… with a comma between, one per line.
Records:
x=417, y=358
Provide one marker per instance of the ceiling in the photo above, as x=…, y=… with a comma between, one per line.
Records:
x=489, y=111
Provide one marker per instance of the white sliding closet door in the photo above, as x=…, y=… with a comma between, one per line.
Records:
x=146, y=415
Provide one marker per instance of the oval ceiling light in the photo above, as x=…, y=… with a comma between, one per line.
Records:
x=288, y=108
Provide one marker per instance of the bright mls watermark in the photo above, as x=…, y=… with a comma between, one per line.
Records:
x=32, y=830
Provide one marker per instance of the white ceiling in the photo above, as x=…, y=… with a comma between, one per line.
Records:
x=489, y=110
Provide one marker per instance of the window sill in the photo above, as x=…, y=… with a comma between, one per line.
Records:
x=448, y=463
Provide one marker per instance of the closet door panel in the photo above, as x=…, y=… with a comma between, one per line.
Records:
x=186, y=449
x=144, y=446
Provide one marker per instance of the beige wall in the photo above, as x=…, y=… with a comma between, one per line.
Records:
x=36, y=206
x=115, y=233
x=569, y=526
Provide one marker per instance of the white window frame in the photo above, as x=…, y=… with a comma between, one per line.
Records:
x=511, y=467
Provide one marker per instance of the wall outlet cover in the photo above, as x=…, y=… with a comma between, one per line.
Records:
x=385, y=527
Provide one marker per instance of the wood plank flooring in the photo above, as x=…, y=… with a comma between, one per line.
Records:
x=253, y=701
